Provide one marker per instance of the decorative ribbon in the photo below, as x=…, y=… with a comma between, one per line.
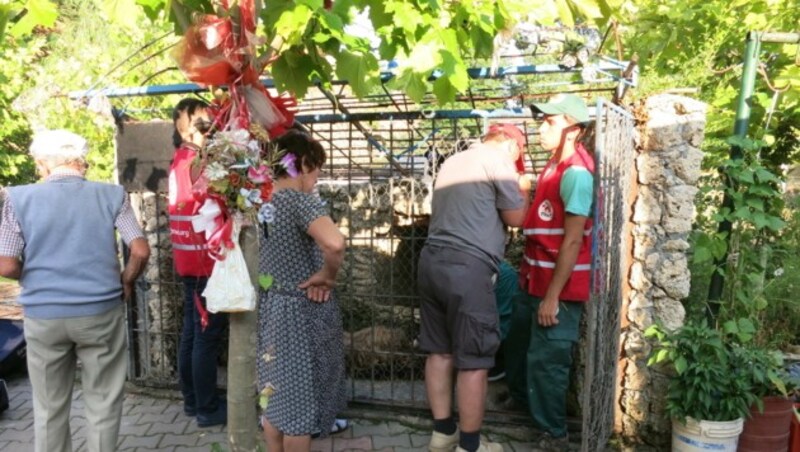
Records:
x=212, y=54
x=198, y=303
x=213, y=220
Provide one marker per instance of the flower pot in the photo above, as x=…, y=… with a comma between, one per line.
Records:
x=698, y=436
x=768, y=431
x=794, y=437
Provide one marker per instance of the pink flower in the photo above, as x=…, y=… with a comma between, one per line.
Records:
x=258, y=175
x=288, y=162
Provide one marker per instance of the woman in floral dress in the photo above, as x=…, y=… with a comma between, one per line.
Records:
x=300, y=348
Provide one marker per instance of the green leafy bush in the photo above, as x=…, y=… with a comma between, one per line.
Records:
x=719, y=374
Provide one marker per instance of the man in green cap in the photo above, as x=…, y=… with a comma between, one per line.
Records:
x=554, y=273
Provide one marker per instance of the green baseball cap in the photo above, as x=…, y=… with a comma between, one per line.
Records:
x=564, y=104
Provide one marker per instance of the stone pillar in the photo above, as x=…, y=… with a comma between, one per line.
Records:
x=668, y=168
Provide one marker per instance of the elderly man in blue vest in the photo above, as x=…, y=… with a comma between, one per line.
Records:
x=59, y=239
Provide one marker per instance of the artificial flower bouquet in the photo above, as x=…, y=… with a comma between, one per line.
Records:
x=235, y=187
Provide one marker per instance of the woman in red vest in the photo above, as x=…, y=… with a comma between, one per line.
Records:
x=554, y=272
x=202, y=334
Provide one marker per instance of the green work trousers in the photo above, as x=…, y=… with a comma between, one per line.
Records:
x=538, y=361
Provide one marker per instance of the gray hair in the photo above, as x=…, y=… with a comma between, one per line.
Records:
x=59, y=147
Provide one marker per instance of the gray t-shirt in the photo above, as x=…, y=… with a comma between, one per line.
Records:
x=471, y=189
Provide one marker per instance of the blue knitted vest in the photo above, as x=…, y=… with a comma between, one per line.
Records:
x=71, y=266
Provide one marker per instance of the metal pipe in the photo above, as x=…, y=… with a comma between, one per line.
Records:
x=474, y=73
x=779, y=37
x=753, y=46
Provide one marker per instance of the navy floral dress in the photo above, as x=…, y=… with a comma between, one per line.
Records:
x=300, y=348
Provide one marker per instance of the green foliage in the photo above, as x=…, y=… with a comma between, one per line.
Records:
x=694, y=43
x=39, y=70
x=16, y=166
x=312, y=44
x=25, y=15
x=719, y=375
x=755, y=214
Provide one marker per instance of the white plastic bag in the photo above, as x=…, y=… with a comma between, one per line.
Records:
x=229, y=288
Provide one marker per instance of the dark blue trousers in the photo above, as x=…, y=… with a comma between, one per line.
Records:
x=199, y=352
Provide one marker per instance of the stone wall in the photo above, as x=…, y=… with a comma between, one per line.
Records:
x=668, y=167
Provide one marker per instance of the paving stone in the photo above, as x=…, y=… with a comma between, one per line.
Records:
x=208, y=439
x=18, y=403
x=13, y=446
x=22, y=424
x=134, y=430
x=391, y=441
x=147, y=409
x=20, y=393
x=21, y=436
x=129, y=419
x=322, y=445
x=175, y=428
x=360, y=443
x=148, y=442
x=379, y=429
x=164, y=418
x=19, y=414
x=178, y=440
x=419, y=440
x=191, y=449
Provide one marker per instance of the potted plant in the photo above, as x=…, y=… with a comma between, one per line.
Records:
x=768, y=425
x=710, y=392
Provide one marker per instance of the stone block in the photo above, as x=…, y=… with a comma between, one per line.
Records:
x=689, y=166
x=635, y=345
x=637, y=376
x=675, y=245
x=635, y=405
x=642, y=317
x=650, y=169
x=679, y=201
x=673, y=120
x=673, y=276
x=647, y=209
x=639, y=281
x=669, y=312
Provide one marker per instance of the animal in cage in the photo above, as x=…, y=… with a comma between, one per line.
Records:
x=382, y=353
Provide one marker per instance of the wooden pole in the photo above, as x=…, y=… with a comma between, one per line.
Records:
x=242, y=397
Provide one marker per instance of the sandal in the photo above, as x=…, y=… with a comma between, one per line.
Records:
x=339, y=425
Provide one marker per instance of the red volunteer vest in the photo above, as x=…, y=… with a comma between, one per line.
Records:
x=189, y=248
x=544, y=231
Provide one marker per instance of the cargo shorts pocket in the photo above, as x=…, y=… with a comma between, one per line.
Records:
x=479, y=335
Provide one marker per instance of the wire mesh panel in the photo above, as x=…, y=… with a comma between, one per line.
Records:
x=614, y=159
x=155, y=319
x=377, y=184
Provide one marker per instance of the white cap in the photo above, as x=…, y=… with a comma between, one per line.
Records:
x=58, y=143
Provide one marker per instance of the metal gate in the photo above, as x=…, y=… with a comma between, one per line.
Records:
x=614, y=159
